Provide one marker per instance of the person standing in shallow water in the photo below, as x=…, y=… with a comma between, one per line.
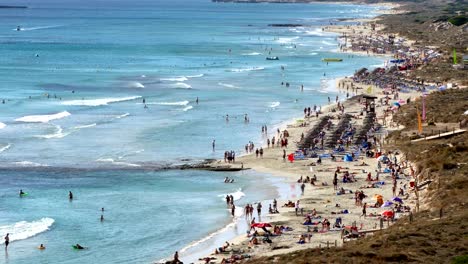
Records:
x=214, y=144
x=7, y=240
x=70, y=195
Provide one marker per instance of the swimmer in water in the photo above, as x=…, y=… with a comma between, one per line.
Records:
x=78, y=246
x=41, y=247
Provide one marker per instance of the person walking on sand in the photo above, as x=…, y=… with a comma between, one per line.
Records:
x=259, y=209
x=7, y=240
x=176, y=258
x=364, y=207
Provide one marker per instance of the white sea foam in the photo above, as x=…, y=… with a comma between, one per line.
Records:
x=185, y=109
x=286, y=40
x=175, y=79
x=35, y=28
x=237, y=214
x=57, y=134
x=23, y=230
x=237, y=195
x=315, y=32
x=248, y=69
x=274, y=104
x=119, y=163
x=172, y=103
x=2, y=125
x=136, y=85
x=313, y=53
x=328, y=43
x=228, y=85
x=5, y=148
x=181, y=85
x=30, y=164
x=42, y=118
x=210, y=236
x=122, y=116
x=196, y=76
x=252, y=54
x=99, y=102
x=85, y=126
x=131, y=153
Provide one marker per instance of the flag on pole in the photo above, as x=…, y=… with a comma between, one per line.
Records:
x=419, y=122
x=423, y=108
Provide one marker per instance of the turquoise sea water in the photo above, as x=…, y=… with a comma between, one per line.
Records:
x=73, y=79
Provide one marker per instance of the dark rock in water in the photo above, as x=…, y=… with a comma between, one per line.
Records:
x=1, y=6
x=285, y=25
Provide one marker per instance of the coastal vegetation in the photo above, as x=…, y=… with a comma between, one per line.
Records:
x=438, y=232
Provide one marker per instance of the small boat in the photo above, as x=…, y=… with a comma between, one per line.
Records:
x=272, y=58
x=332, y=60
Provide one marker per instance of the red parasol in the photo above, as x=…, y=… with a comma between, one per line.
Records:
x=260, y=225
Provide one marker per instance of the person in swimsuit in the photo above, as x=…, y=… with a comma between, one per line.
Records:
x=7, y=240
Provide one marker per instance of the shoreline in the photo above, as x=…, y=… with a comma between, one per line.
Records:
x=274, y=172
x=294, y=174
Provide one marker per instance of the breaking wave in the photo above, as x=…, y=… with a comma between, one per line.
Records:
x=42, y=118
x=98, y=102
x=23, y=230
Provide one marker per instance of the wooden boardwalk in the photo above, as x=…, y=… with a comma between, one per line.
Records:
x=441, y=135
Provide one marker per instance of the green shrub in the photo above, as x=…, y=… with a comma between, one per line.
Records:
x=460, y=259
x=458, y=20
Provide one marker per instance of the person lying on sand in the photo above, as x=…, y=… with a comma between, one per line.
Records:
x=207, y=259
x=289, y=204
x=253, y=241
x=373, y=185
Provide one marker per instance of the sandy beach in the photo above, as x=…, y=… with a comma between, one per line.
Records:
x=320, y=199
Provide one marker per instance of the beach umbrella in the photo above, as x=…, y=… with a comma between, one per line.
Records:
x=261, y=225
x=397, y=199
x=387, y=204
x=387, y=213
